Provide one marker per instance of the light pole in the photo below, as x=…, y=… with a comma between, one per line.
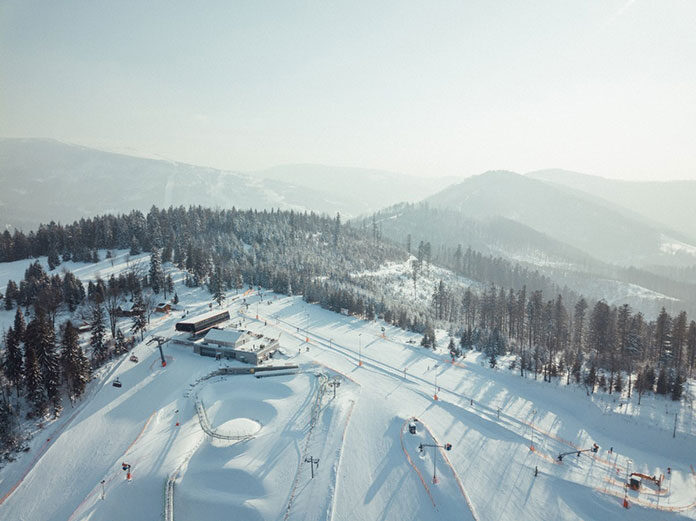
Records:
x=312, y=461
x=360, y=349
x=334, y=383
x=446, y=446
x=436, y=387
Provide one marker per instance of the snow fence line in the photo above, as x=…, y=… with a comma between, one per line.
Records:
x=338, y=463
x=410, y=461
x=170, y=482
x=316, y=409
x=474, y=514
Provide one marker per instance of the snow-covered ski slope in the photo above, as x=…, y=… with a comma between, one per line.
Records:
x=370, y=467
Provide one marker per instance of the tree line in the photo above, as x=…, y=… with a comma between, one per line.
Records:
x=551, y=331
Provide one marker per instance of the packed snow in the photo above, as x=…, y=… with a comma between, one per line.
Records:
x=206, y=445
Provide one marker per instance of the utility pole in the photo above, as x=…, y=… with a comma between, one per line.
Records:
x=436, y=387
x=446, y=446
x=103, y=493
x=360, y=349
x=334, y=383
x=674, y=432
x=312, y=462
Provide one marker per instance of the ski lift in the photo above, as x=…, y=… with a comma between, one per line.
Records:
x=412, y=428
x=117, y=382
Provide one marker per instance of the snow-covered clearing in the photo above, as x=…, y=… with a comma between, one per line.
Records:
x=369, y=466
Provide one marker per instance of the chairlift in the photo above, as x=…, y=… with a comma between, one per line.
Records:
x=117, y=383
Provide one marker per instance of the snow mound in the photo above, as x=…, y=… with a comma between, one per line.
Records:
x=239, y=427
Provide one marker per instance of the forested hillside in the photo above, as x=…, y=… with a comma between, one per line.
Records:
x=483, y=302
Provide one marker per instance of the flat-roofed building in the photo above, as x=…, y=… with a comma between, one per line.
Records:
x=244, y=346
x=201, y=323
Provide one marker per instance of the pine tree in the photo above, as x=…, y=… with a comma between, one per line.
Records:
x=175, y=300
x=156, y=275
x=452, y=348
x=216, y=287
x=32, y=370
x=167, y=252
x=662, y=386
x=12, y=363
x=98, y=331
x=9, y=437
x=663, y=326
x=53, y=259
x=336, y=230
x=19, y=325
x=691, y=345
x=618, y=383
x=168, y=285
x=11, y=294
x=140, y=318
x=591, y=378
x=677, y=388
x=429, y=336
x=49, y=361
x=120, y=343
x=76, y=366
x=134, y=246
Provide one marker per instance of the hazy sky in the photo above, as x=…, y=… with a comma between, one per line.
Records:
x=431, y=88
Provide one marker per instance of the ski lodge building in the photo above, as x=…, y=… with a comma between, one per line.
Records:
x=244, y=346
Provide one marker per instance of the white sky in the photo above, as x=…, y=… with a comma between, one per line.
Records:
x=606, y=87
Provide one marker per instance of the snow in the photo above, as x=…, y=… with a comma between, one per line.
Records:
x=254, y=467
x=225, y=336
x=395, y=280
x=673, y=246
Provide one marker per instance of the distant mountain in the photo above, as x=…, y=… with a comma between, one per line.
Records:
x=363, y=190
x=596, y=226
x=493, y=235
x=565, y=265
x=670, y=203
x=46, y=180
